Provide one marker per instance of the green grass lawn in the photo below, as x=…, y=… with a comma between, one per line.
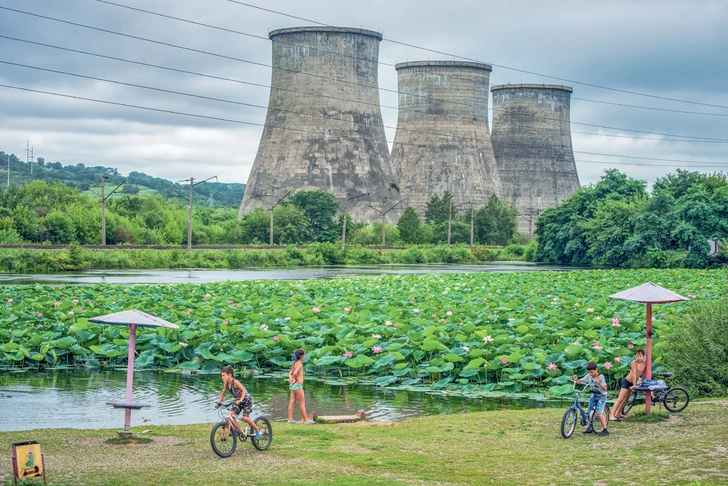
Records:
x=501, y=447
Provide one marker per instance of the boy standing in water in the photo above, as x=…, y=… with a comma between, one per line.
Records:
x=295, y=380
x=243, y=400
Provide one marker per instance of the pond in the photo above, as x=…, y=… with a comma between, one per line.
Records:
x=128, y=277
x=77, y=399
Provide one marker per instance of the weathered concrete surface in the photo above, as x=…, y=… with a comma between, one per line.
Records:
x=324, y=125
x=532, y=143
x=442, y=140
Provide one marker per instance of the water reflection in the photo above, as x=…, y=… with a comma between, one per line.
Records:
x=77, y=399
x=285, y=273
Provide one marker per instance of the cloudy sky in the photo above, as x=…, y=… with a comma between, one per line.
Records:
x=612, y=54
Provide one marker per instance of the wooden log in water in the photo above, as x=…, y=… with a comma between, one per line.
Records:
x=360, y=416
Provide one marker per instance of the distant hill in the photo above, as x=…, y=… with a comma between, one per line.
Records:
x=87, y=179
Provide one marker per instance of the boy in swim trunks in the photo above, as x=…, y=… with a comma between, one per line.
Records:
x=243, y=400
x=295, y=380
x=636, y=371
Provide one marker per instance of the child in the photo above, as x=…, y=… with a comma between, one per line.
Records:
x=243, y=400
x=636, y=371
x=599, y=395
x=295, y=380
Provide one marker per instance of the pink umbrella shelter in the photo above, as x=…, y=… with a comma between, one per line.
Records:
x=649, y=294
x=132, y=318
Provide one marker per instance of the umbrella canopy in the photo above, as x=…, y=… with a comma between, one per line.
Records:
x=649, y=293
x=132, y=318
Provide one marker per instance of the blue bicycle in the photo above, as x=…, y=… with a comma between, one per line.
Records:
x=568, y=423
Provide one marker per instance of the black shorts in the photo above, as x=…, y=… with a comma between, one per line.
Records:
x=626, y=384
x=246, y=406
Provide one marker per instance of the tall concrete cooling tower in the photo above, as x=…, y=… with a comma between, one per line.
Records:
x=532, y=144
x=442, y=140
x=324, y=125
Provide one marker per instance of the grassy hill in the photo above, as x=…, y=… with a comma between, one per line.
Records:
x=88, y=180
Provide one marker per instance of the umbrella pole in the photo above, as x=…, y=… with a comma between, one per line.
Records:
x=130, y=375
x=648, y=352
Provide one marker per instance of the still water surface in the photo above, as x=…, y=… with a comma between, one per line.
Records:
x=77, y=399
x=286, y=273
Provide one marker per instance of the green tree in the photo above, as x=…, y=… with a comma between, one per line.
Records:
x=320, y=207
x=409, y=226
x=438, y=210
x=495, y=223
x=459, y=233
x=60, y=228
x=608, y=232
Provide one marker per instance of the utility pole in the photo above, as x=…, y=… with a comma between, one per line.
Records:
x=472, y=220
x=191, y=180
x=8, y=156
x=343, y=231
x=103, y=206
x=31, y=160
x=27, y=155
x=449, y=223
x=271, y=216
x=384, y=214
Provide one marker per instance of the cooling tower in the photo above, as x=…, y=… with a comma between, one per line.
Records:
x=532, y=144
x=442, y=140
x=324, y=127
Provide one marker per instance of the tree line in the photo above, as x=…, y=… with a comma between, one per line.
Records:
x=58, y=214
x=617, y=223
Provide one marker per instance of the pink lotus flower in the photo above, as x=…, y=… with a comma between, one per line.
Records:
x=608, y=365
x=264, y=327
x=511, y=319
x=617, y=359
x=229, y=302
x=466, y=349
x=396, y=324
x=662, y=315
x=293, y=303
x=184, y=345
x=315, y=310
x=377, y=336
x=169, y=307
x=70, y=312
x=235, y=305
x=224, y=323
x=10, y=301
x=487, y=339
x=653, y=319
x=56, y=304
x=187, y=313
x=630, y=346
x=416, y=311
x=40, y=314
x=377, y=349
x=448, y=313
x=434, y=315
x=75, y=301
x=388, y=323
x=348, y=354
x=12, y=315
x=442, y=320
x=275, y=338
x=552, y=367
x=615, y=322
x=288, y=318
x=590, y=310
x=504, y=361
x=347, y=309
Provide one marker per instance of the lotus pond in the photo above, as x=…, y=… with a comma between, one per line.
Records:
x=476, y=334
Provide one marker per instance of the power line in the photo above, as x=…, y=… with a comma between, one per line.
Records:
x=223, y=56
x=248, y=34
x=717, y=166
x=435, y=51
x=206, y=117
x=688, y=138
x=221, y=100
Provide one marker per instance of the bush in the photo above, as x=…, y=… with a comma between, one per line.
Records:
x=516, y=250
x=696, y=351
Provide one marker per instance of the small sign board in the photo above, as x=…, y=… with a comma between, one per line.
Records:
x=28, y=461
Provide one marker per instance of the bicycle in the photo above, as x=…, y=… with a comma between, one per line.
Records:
x=225, y=434
x=568, y=422
x=674, y=399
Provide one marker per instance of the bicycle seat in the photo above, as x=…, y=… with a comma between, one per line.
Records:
x=666, y=375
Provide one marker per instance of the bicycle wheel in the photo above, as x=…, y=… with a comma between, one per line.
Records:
x=266, y=434
x=222, y=440
x=676, y=399
x=630, y=403
x=568, y=423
